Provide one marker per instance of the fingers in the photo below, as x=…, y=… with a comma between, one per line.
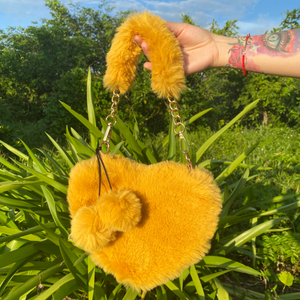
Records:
x=142, y=44
x=148, y=65
x=145, y=49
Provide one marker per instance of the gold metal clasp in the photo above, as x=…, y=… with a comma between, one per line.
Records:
x=111, y=119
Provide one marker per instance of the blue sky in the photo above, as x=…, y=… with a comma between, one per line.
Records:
x=254, y=16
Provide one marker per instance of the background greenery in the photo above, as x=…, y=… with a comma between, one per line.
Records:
x=38, y=261
x=255, y=252
x=47, y=62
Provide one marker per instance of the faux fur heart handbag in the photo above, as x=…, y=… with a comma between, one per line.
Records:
x=143, y=223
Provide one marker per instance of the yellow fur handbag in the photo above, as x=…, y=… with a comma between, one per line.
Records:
x=143, y=223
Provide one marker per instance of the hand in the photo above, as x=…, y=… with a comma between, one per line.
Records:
x=198, y=47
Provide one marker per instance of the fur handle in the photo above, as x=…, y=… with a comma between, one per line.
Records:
x=164, y=51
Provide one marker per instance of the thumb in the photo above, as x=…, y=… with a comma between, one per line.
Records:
x=176, y=28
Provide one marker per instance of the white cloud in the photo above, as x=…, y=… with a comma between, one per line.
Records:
x=201, y=11
x=258, y=26
x=22, y=12
x=19, y=12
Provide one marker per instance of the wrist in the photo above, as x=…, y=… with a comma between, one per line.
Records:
x=223, y=44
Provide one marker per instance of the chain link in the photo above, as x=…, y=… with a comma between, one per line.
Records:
x=179, y=129
x=111, y=119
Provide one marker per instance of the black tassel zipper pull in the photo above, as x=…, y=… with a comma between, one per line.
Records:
x=100, y=162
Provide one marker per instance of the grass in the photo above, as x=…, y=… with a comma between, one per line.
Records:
x=278, y=150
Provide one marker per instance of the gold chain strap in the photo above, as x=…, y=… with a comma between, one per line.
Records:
x=179, y=129
x=111, y=119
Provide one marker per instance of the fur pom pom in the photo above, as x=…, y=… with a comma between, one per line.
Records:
x=120, y=210
x=88, y=231
x=164, y=51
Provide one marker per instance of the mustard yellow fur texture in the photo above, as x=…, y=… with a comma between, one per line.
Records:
x=164, y=51
x=168, y=212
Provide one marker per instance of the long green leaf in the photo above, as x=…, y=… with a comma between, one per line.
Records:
x=161, y=293
x=197, y=282
x=34, y=281
x=245, y=294
x=70, y=258
x=213, y=138
x=65, y=289
x=176, y=290
x=50, y=291
x=183, y=277
x=292, y=296
x=188, y=122
x=8, y=185
x=12, y=202
x=235, y=193
x=196, y=117
x=12, y=272
x=147, y=152
x=25, y=233
x=54, y=163
x=282, y=209
x=91, y=108
x=81, y=139
x=39, y=165
x=217, y=162
x=6, y=175
x=212, y=276
x=234, y=165
x=10, y=166
x=92, y=128
x=276, y=199
x=249, y=234
x=73, y=149
x=79, y=146
x=10, y=231
x=46, y=179
x=62, y=152
x=222, y=294
x=16, y=255
x=7, y=221
x=114, y=293
x=132, y=143
x=52, y=208
x=130, y=295
x=172, y=142
x=91, y=278
x=225, y=263
x=232, y=220
x=15, y=151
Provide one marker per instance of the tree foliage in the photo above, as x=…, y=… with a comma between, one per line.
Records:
x=47, y=62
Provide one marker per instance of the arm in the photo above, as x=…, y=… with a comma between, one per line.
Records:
x=277, y=54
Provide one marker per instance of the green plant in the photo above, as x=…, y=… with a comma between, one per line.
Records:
x=286, y=278
x=281, y=252
x=37, y=261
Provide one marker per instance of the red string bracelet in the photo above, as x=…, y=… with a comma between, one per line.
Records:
x=244, y=52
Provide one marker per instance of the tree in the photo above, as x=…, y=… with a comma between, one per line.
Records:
x=34, y=61
x=292, y=19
